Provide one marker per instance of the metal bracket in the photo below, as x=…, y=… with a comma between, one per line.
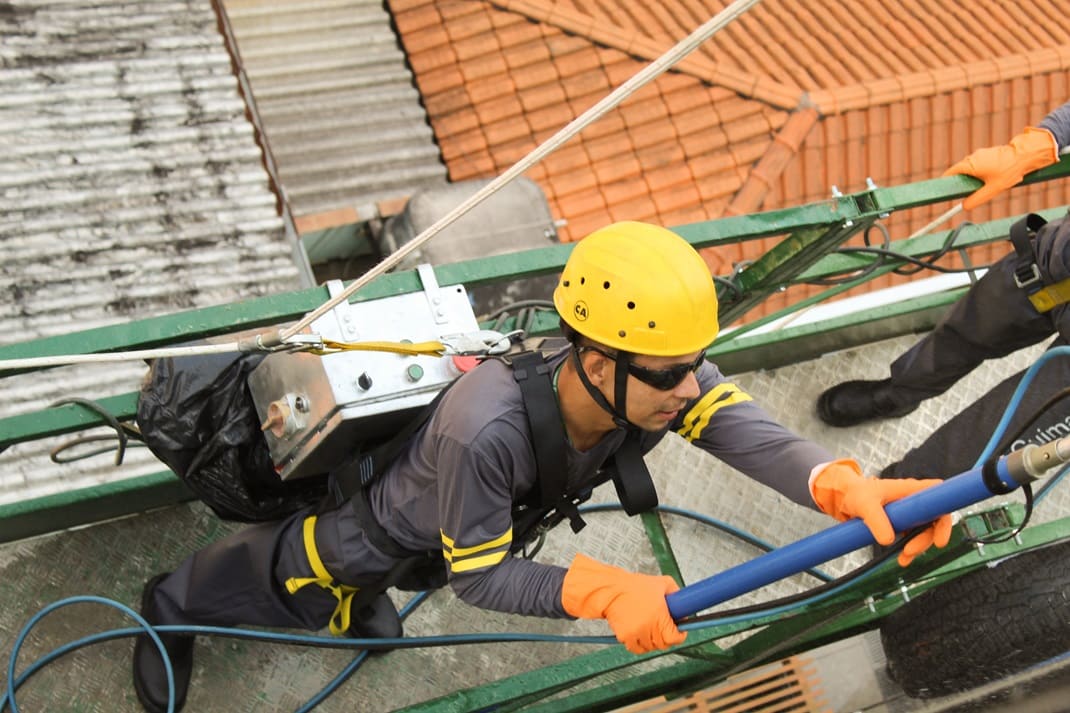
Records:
x=431, y=289
x=341, y=312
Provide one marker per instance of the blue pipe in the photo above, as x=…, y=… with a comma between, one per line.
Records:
x=917, y=509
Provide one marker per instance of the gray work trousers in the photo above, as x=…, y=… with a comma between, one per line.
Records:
x=241, y=579
x=993, y=319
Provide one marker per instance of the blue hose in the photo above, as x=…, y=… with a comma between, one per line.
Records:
x=960, y=491
x=1016, y=399
x=921, y=507
x=145, y=627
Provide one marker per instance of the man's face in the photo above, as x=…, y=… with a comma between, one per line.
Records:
x=650, y=408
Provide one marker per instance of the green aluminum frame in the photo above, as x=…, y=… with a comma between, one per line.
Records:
x=809, y=235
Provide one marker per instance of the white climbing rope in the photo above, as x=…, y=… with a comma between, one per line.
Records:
x=618, y=95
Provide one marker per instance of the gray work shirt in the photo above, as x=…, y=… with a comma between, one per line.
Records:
x=455, y=486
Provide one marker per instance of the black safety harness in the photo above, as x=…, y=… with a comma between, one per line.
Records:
x=1027, y=275
x=548, y=504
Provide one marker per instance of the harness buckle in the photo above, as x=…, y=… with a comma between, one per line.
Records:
x=1029, y=275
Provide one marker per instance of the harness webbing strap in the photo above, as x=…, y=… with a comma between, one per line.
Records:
x=534, y=376
x=356, y=473
x=344, y=593
x=1026, y=272
x=1051, y=296
x=635, y=487
x=379, y=537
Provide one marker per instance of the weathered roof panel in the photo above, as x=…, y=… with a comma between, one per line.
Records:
x=131, y=185
x=337, y=102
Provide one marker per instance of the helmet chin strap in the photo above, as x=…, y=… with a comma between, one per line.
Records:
x=620, y=385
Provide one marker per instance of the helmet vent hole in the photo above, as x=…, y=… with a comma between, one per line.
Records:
x=651, y=324
x=631, y=305
x=605, y=285
x=583, y=280
x=622, y=333
x=564, y=283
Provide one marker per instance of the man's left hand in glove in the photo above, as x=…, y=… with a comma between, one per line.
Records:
x=840, y=490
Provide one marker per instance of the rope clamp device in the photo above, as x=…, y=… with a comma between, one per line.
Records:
x=482, y=342
x=305, y=341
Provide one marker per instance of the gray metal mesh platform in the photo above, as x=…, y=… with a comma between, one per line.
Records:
x=113, y=559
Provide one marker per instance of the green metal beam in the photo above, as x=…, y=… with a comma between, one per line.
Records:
x=59, y=420
x=789, y=258
x=84, y=506
x=278, y=309
x=794, y=343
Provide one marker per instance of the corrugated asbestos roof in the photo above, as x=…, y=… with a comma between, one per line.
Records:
x=132, y=186
x=784, y=103
x=337, y=101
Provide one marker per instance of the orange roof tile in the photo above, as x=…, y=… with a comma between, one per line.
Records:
x=791, y=98
x=623, y=190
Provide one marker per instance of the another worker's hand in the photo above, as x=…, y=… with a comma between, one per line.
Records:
x=1001, y=167
x=840, y=490
x=633, y=604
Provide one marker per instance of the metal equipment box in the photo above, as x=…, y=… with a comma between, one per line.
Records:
x=316, y=408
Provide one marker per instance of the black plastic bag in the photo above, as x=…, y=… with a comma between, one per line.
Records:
x=197, y=416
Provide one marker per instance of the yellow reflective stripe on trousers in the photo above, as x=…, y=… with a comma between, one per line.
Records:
x=461, y=559
x=1048, y=298
x=700, y=414
x=343, y=593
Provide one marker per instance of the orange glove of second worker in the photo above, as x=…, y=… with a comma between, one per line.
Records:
x=840, y=490
x=633, y=604
x=1001, y=167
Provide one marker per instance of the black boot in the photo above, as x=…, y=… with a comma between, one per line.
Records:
x=150, y=676
x=376, y=620
x=852, y=402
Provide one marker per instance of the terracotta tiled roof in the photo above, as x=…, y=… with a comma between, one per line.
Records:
x=792, y=98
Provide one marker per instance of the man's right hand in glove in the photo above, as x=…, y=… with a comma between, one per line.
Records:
x=1001, y=167
x=633, y=604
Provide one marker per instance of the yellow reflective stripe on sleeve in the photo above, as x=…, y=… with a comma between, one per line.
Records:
x=461, y=558
x=452, y=552
x=471, y=563
x=1051, y=296
x=700, y=414
x=339, y=623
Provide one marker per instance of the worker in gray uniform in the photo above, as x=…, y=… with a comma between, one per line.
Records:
x=639, y=307
x=1019, y=302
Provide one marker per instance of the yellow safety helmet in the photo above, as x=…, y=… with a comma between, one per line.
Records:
x=639, y=288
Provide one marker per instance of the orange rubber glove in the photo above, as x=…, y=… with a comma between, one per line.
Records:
x=840, y=490
x=633, y=604
x=1001, y=167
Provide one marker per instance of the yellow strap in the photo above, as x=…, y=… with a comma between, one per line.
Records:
x=339, y=623
x=715, y=399
x=1047, y=298
x=407, y=348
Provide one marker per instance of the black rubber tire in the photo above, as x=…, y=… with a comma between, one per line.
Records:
x=982, y=626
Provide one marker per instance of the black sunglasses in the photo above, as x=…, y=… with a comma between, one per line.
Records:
x=660, y=379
